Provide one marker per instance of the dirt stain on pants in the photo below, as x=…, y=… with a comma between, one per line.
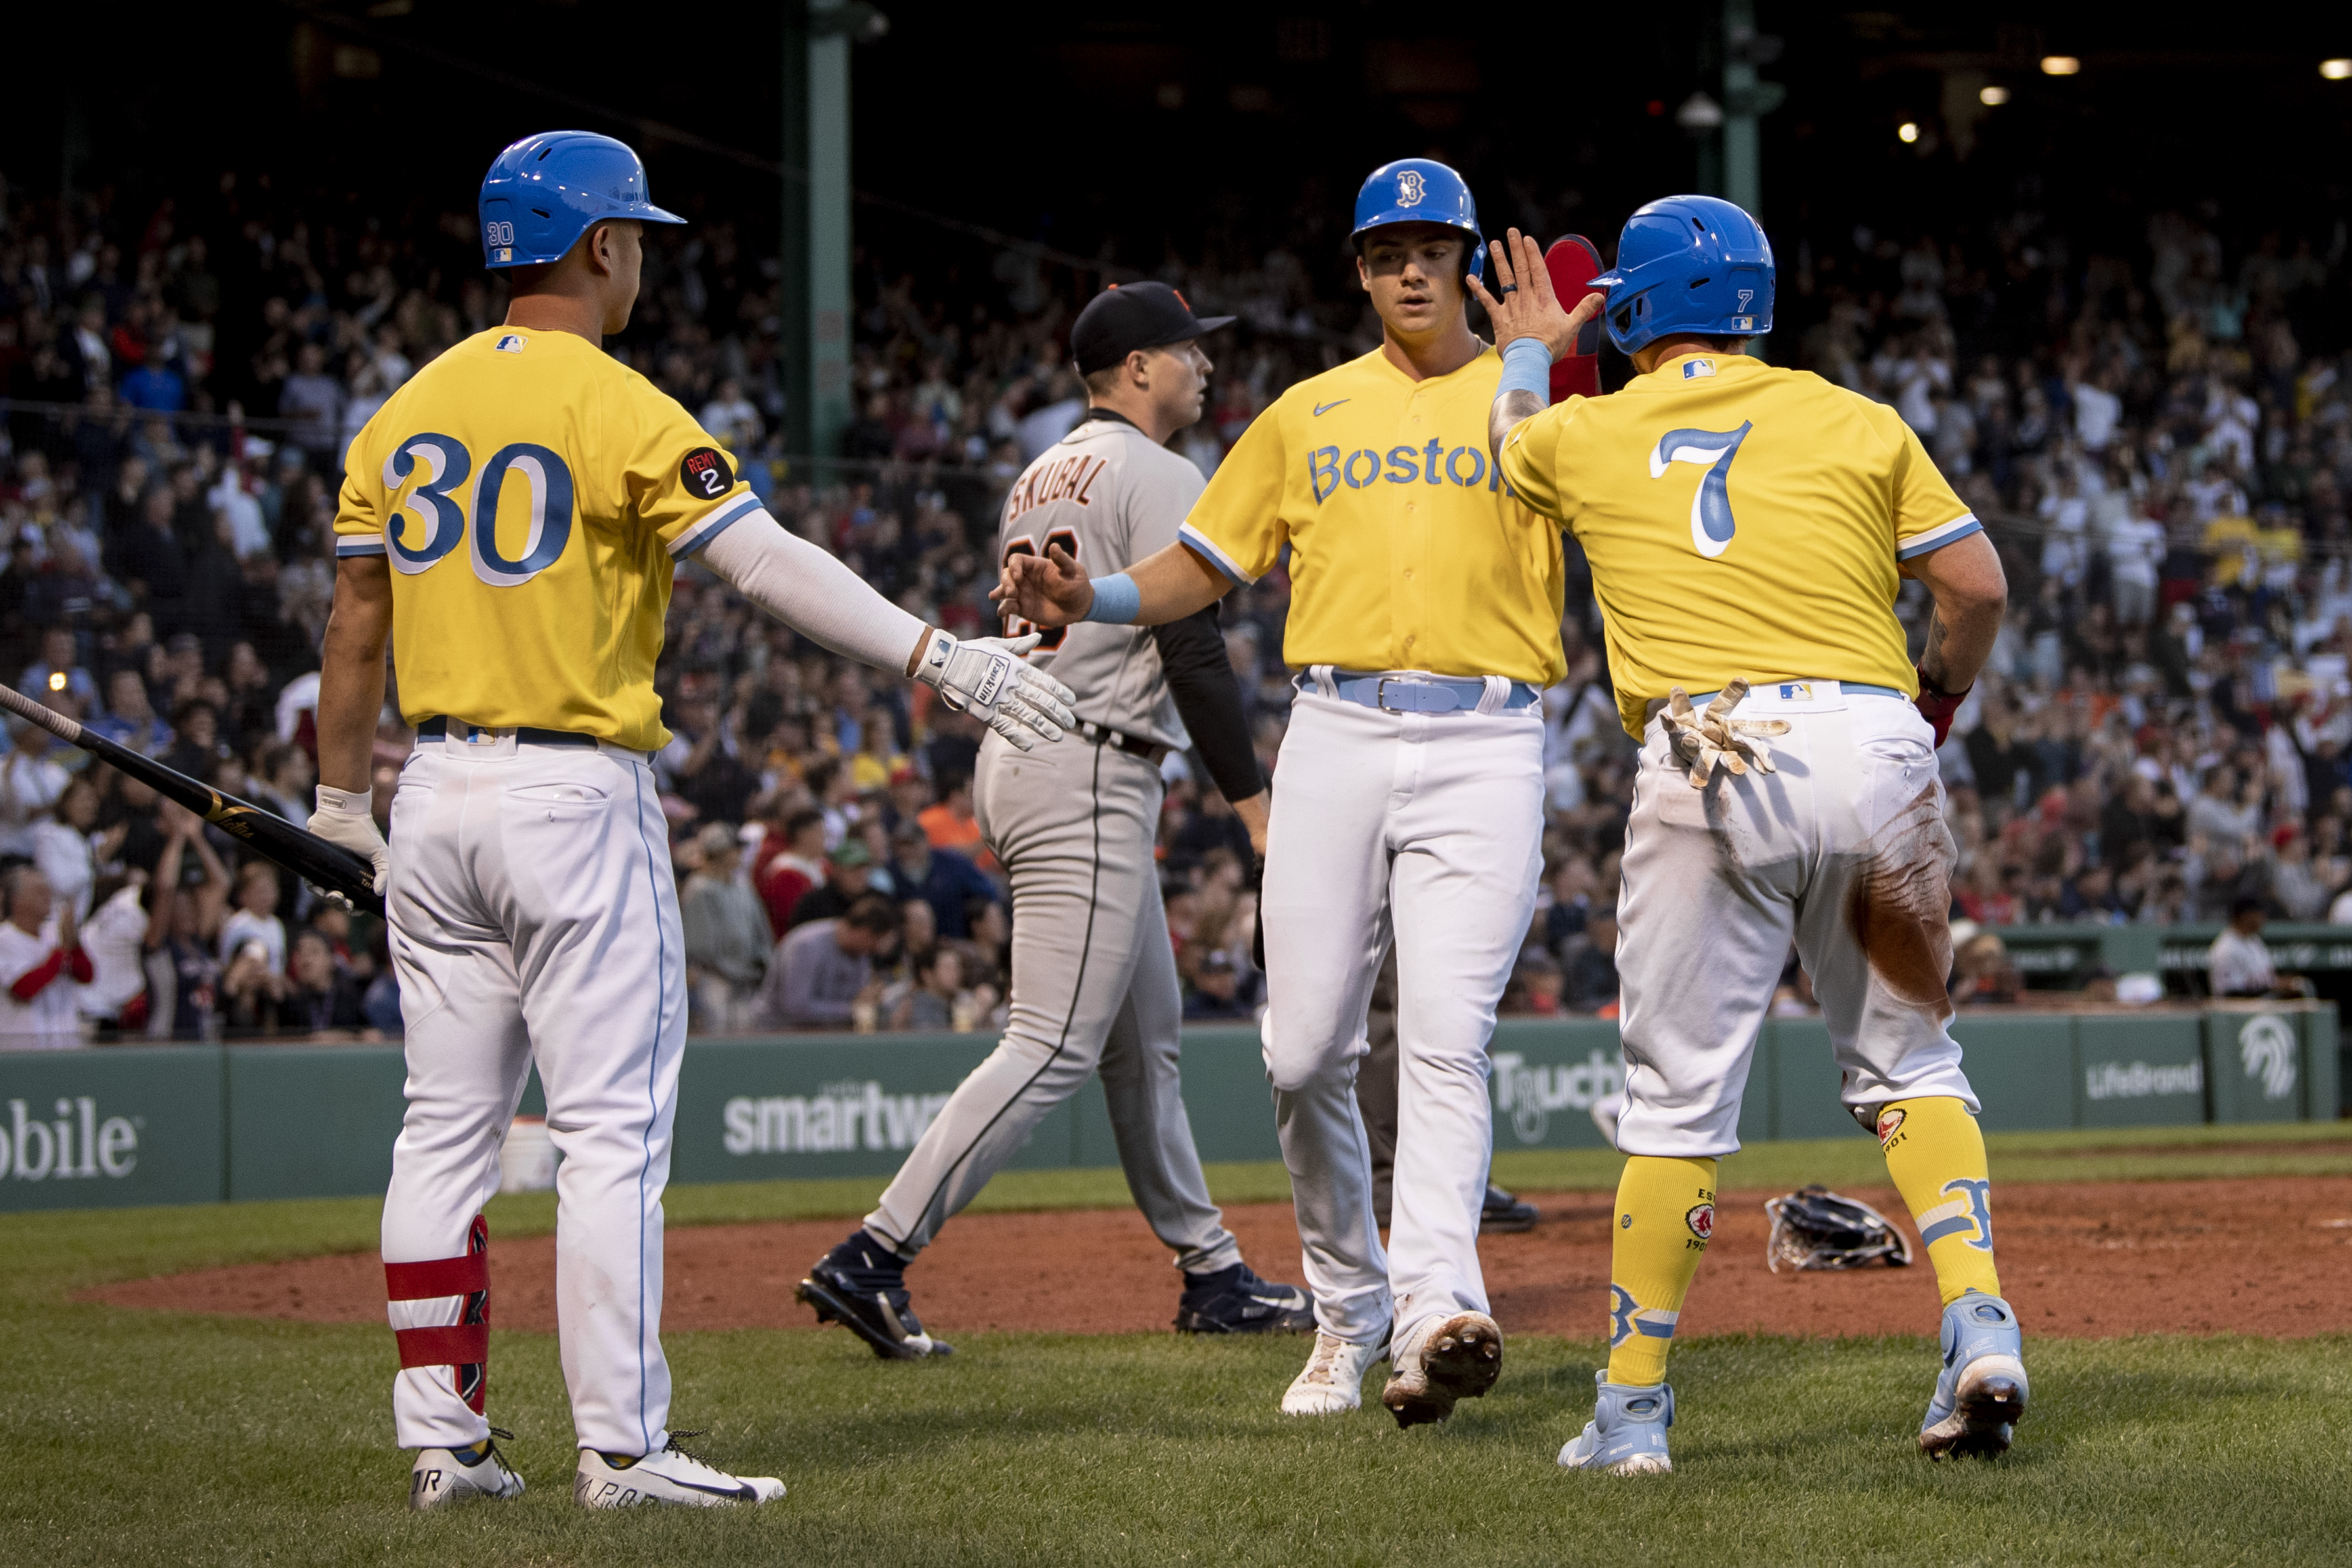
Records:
x=1899, y=901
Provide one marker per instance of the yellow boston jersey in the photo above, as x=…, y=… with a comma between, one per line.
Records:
x=533, y=493
x=1741, y=520
x=1407, y=551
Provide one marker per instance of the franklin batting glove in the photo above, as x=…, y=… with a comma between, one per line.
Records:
x=347, y=817
x=986, y=676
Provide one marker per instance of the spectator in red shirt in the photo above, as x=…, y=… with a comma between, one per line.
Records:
x=40, y=957
x=794, y=868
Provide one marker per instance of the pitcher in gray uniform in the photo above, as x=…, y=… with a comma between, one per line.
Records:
x=1094, y=976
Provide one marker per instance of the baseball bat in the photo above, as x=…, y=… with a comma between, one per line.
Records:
x=325, y=865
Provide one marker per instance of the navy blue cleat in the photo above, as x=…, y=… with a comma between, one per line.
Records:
x=862, y=1285
x=1234, y=1300
x=1981, y=1393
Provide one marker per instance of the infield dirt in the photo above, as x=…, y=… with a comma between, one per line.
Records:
x=2270, y=1257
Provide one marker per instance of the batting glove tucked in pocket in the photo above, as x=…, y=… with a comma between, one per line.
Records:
x=986, y=676
x=1704, y=738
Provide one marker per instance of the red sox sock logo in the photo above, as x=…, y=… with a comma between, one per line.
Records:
x=1627, y=1318
x=1969, y=1210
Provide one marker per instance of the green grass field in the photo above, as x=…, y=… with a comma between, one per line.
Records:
x=150, y=1438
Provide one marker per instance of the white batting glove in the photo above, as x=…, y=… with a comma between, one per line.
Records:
x=347, y=817
x=986, y=674
x=1702, y=739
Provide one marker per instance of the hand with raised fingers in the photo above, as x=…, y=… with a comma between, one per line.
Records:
x=1051, y=589
x=1523, y=304
x=1702, y=737
x=987, y=676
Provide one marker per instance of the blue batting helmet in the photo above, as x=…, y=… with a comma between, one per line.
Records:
x=1419, y=191
x=542, y=194
x=1689, y=264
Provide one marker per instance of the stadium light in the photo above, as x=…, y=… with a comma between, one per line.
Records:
x=1907, y=132
x=2059, y=64
x=1992, y=96
x=2335, y=70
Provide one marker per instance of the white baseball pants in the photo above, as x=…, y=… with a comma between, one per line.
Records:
x=1094, y=988
x=1844, y=850
x=1426, y=828
x=534, y=919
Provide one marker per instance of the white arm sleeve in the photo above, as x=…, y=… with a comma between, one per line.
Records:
x=811, y=592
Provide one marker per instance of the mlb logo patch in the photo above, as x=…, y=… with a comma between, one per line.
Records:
x=1694, y=368
x=1796, y=692
x=506, y=253
x=512, y=343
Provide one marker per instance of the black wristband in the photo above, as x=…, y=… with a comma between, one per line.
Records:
x=1930, y=686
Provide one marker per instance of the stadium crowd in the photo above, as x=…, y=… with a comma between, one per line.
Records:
x=2155, y=427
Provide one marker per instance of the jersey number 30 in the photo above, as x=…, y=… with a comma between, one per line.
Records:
x=1049, y=637
x=431, y=521
x=1710, y=516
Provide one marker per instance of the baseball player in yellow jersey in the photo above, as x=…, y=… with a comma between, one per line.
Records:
x=1747, y=527
x=1424, y=620
x=510, y=519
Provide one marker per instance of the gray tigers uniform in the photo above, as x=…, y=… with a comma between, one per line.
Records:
x=1094, y=976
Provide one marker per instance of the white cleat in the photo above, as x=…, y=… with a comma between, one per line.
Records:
x=671, y=1476
x=440, y=1478
x=1333, y=1381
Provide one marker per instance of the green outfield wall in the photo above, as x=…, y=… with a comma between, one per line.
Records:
x=144, y=1125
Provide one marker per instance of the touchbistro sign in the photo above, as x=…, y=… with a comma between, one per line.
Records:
x=1526, y=1094
x=72, y=1143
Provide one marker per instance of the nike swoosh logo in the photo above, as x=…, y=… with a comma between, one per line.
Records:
x=741, y=1494
x=1323, y=408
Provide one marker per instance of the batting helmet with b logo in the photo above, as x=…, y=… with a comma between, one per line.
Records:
x=1419, y=191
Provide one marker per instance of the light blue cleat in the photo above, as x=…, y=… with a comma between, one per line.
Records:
x=1981, y=1393
x=1627, y=1434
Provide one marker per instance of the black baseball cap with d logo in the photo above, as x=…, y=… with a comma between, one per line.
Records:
x=1131, y=316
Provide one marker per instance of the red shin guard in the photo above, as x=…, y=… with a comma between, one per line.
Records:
x=466, y=1344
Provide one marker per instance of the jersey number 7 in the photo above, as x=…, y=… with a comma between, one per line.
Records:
x=1710, y=518
x=1049, y=638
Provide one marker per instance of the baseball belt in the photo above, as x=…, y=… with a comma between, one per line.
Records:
x=1415, y=693
x=1151, y=751
x=1785, y=689
x=440, y=726
x=438, y=729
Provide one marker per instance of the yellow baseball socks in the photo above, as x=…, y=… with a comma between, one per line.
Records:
x=1666, y=1213
x=1936, y=1156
